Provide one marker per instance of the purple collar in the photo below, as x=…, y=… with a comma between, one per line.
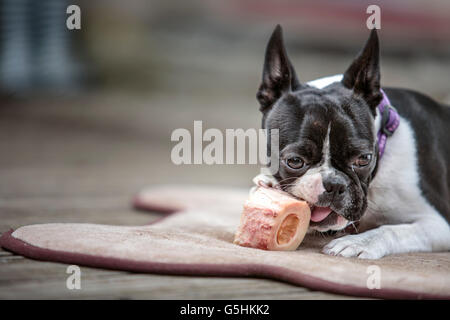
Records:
x=389, y=122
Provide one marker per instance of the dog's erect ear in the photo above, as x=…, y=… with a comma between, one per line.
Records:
x=363, y=75
x=278, y=74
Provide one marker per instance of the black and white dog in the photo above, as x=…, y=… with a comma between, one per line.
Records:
x=347, y=152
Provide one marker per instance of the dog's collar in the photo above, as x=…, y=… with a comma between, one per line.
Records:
x=389, y=122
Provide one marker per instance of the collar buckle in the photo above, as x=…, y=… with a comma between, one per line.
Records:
x=388, y=131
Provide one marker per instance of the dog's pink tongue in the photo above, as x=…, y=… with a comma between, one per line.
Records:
x=320, y=213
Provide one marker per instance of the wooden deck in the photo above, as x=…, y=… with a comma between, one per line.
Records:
x=81, y=161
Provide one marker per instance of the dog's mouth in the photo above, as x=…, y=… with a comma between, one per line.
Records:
x=324, y=219
x=319, y=214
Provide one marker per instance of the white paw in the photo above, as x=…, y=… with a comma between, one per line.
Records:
x=265, y=180
x=363, y=246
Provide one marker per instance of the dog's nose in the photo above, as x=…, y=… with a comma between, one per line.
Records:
x=334, y=186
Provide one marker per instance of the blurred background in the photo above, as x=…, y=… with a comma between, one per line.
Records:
x=89, y=112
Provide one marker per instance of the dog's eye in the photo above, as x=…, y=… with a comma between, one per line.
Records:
x=295, y=163
x=363, y=160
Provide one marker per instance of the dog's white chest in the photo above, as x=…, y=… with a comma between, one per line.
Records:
x=394, y=194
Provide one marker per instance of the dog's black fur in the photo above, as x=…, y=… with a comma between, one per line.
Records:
x=431, y=122
x=304, y=114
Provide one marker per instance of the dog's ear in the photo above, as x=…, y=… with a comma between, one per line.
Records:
x=363, y=75
x=278, y=74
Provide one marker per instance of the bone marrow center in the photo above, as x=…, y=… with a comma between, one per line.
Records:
x=288, y=229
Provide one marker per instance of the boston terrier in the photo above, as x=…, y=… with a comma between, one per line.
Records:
x=376, y=158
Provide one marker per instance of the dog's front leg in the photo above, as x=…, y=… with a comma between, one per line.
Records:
x=426, y=234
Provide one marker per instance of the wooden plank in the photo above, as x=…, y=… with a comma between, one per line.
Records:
x=4, y=253
x=25, y=278
x=48, y=281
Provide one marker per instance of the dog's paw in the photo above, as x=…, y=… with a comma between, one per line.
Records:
x=363, y=246
x=265, y=180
